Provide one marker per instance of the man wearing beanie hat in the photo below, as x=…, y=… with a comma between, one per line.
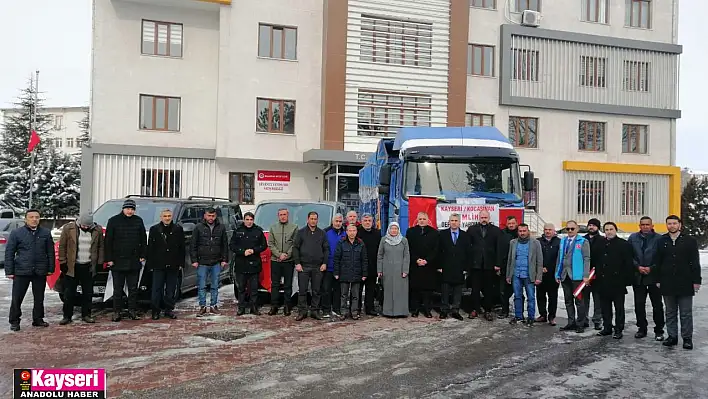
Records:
x=81, y=249
x=594, y=226
x=126, y=243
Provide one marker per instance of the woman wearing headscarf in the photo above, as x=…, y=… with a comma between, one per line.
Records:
x=393, y=262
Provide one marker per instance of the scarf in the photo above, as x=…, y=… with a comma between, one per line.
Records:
x=393, y=240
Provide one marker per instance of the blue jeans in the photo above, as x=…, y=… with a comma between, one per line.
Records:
x=202, y=272
x=521, y=284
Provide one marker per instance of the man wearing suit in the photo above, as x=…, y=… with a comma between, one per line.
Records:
x=455, y=254
x=486, y=264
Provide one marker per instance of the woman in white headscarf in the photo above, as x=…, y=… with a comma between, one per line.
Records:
x=393, y=262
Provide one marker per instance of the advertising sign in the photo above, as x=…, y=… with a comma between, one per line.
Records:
x=59, y=383
x=469, y=214
x=273, y=181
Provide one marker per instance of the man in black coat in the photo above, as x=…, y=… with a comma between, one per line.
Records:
x=423, y=244
x=29, y=259
x=372, y=239
x=247, y=243
x=310, y=254
x=592, y=236
x=486, y=264
x=125, y=252
x=644, y=243
x=550, y=245
x=209, y=252
x=506, y=290
x=613, y=273
x=166, y=252
x=454, y=263
x=678, y=271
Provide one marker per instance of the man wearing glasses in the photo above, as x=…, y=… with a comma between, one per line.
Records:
x=572, y=269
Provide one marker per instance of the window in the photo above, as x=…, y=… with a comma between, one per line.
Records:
x=58, y=122
x=523, y=131
x=162, y=38
x=160, y=182
x=277, y=42
x=525, y=64
x=489, y=4
x=480, y=60
x=594, y=11
x=70, y=143
x=636, y=76
x=592, y=71
x=633, y=198
x=160, y=113
x=241, y=187
x=591, y=136
x=534, y=5
x=58, y=143
x=634, y=139
x=382, y=113
x=591, y=197
x=637, y=14
x=397, y=42
x=479, y=120
x=275, y=116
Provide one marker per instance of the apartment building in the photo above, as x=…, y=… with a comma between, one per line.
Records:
x=64, y=126
x=261, y=99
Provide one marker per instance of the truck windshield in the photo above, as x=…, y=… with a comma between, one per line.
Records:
x=267, y=213
x=495, y=180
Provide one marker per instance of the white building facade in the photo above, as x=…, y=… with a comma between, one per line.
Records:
x=64, y=126
x=203, y=97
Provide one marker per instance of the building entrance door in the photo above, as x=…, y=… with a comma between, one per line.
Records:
x=342, y=185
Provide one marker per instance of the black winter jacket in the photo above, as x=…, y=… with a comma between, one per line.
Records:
x=486, y=249
x=29, y=252
x=372, y=240
x=248, y=238
x=613, y=266
x=550, y=250
x=125, y=242
x=644, y=247
x=311, y=247
x=209, y=246
x=677, y=265
x=351, y=261
x=166, y=247
x=454, y=258
x=424, y=244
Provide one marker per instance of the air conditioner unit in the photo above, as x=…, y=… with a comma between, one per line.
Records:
x=531, y=18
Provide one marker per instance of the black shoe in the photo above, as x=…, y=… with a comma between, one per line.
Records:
x=241, y=312
x=116, y=317
x=671, y=341
x=542, y=319
x=502, y=315
x=316, y=315
x=443, y=315
x=133, y=315
x=427, y=314
x=301, y=316
x=659, y=337
x=513, y=320
x=88, y=319
x=287, y=311
x=580, y=330
x=529, y=322
x=156, y=316
x=372, y=313
x=14, y=327
x=40, y=323
x=170, y=315
x=617, y=335
x=415, y=313
x=65, y=321
x=273, y=311
x=569, y=327
x=640, y=334
x=598, y=326
x=688, y=344
x=604, y=333
x=356, y=316
x=255, y=311
x=489, y=316
x=457, y=316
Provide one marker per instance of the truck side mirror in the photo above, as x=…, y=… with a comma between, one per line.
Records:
x=529, y=181
x=385, y=176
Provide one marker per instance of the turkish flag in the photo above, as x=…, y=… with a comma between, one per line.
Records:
x=417, y=204
x=33, y=141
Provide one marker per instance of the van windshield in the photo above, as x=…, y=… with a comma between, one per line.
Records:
x=147, y=209
x=267, y=214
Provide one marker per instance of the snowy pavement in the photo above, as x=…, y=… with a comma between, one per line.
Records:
x=275, y=357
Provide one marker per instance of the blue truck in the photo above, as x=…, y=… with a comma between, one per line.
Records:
x=460, y=169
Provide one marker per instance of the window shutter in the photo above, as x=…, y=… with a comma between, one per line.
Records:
x=176, y=35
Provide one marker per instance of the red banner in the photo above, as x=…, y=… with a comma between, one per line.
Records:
x=273, y=175
x=422, y=204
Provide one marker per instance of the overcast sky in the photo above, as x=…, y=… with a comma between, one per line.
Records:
x=54, y=36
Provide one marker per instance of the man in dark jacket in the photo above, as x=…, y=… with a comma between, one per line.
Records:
x=613, y=273
x=510, y=232
x=350, y=270
x=644, y=249
x=678, y=272
x=166, y=252
x=81, y=251
x=247, y=243
x=423, y=243
x=454, y=263
x=29, y=259
x=486, y=262
x=310, y=254
x=330, y=286
x=209, y=251
x=550, y=244
x=125, y=254
x=594, y=226
x=372, y=239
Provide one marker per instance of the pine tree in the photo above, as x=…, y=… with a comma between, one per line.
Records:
x=84, y=126
x=694, y=209
x=57, y=181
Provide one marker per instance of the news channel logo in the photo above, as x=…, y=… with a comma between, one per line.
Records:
x=59, y=383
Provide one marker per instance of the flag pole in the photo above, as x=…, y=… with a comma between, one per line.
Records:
x=33, y=125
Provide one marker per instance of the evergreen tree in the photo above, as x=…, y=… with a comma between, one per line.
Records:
x=57, y=184
x=694, y=209
x=84, y=126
